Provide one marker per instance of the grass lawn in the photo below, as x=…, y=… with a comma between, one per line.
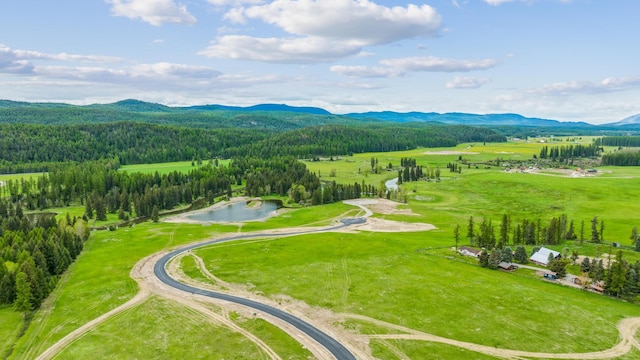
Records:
x=162, y=329
x=394, y=349
x=10, y=324
x=396, y=278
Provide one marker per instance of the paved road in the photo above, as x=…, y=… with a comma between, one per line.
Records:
x=332, y=345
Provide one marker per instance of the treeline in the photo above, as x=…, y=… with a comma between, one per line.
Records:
x=333, y=140
x=623, y=141
x=35, y=148
x=103, y=189
x=566, y=153
x=130, y=143
x=532, y=232
x=34, y=252
x=622, y=158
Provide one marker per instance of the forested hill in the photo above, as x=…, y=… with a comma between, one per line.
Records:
x=29, y=148
x=271, y=117
x=278, y=117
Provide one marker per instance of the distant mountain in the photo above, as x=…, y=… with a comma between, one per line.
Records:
x=264, y=107
x=466, y=119
x=631, y=120
x=271, y=116
x=132, y=105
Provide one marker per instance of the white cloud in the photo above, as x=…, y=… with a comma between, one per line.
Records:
x=323, y=30
x=401, y=66
x=432, y=63
x=234, y=2
x=465, y=82
x=154, y=12
x=279, y=50
x=497, y=2
x=360, y=20
x=20, y=61
x=365, y=71
x=590, y=87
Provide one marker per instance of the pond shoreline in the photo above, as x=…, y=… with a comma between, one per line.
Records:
x=184, y=218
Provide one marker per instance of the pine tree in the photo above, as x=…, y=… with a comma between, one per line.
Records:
x=494, y=259
x=88, y=208
x=155, y=216
x=101, y=209
x=595, y=235
x=585, y=265
x=559, y=266
x=470, y=231
x=24, y=297
x=507, y=255
x=504, y=231
x=483, y=259
x=616, y=276
x=521, y=255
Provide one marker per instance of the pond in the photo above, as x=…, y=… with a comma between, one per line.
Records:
x=392, y=184
x=237, y=212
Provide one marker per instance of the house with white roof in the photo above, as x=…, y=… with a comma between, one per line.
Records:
x=541, y=257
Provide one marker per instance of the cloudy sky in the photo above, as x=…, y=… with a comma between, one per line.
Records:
x=570, y=60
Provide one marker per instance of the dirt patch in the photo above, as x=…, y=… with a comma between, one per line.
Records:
x=450, y=152
x=387, y=207
x=382, y=225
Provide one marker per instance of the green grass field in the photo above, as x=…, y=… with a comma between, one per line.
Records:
x=165, y=168
x=397, y=278
x=410, y=279
x=9, y=327
x=162, y=329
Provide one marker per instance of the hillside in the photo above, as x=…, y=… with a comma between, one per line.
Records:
x=633, y=120
x=281, y=117
x=467, y=119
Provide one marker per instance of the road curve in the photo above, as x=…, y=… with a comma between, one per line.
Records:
x=338, y=350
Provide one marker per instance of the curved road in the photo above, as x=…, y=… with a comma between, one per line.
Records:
x=333, y=346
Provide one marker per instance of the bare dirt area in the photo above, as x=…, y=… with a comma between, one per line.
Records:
x=387, y=207
x=450, y=152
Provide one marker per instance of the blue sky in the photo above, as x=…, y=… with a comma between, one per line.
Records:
x=570, y=60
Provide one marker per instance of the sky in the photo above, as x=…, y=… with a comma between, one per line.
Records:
x=568, y=60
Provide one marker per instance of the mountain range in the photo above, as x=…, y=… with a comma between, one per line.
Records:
x=137, y=106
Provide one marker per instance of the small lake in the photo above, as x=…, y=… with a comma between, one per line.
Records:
x=392, y=184
x=238, y=212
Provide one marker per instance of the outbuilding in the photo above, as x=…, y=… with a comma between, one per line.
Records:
x=505, y=266
x=541, y=257
x=468, y=251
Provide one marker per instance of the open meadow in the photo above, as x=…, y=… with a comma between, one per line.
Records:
x=412, y=280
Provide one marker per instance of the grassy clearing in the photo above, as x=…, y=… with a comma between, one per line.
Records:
x=396, y=278
x=10, y=324
x=393, y=349
x=162, y=329
x=492, y=192
x=166, y=168
x=190, y=268
x=283, y=344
